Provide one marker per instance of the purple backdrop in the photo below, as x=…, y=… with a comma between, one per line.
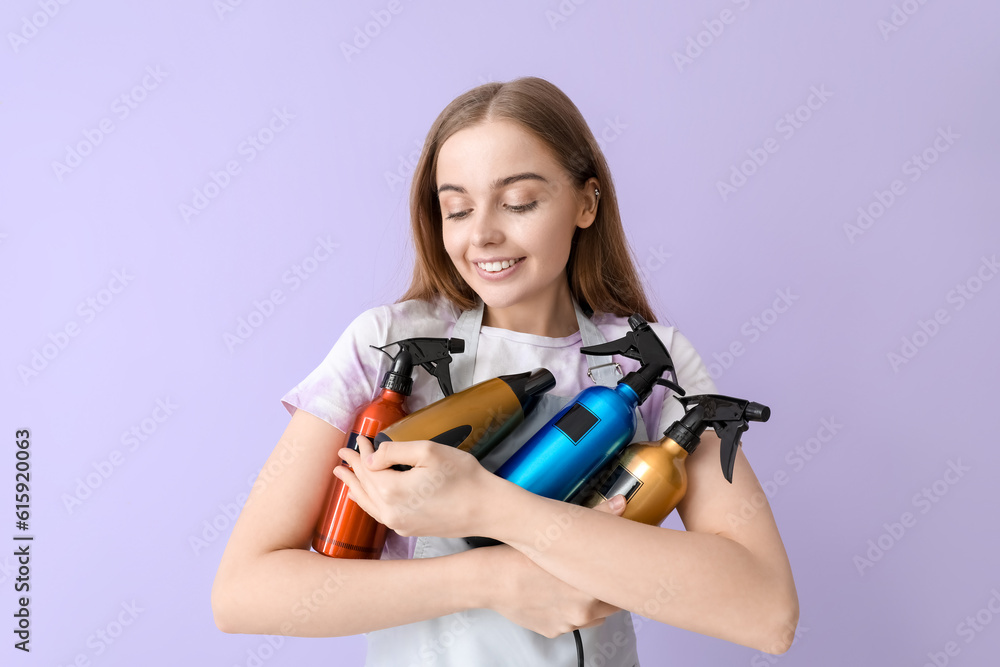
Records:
x=199, y=196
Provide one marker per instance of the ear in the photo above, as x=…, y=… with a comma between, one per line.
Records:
x=589, y=204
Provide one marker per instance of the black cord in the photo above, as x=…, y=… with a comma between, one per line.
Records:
x=579, y=648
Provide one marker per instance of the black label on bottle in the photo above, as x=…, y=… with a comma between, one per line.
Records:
x=577, y=422
x=620, y=481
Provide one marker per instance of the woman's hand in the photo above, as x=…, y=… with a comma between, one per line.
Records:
x=527, y=595
x=440, y=495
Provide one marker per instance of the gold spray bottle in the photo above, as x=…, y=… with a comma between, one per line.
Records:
x=651, y=475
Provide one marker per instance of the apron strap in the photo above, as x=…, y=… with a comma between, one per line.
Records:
x=467, y=328
x=602, y=369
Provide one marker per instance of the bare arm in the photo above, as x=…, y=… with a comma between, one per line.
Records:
x=269, y=582
x=726, y=576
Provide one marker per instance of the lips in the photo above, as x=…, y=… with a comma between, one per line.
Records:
x=496, y=266
x=497, y=275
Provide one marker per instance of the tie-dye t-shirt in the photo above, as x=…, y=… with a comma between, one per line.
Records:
x=351, y=374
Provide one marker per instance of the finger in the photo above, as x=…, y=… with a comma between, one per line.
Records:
x=356, y=489
x=349, y=456
x=391, y=453
x=365, y=447
x=610, y=505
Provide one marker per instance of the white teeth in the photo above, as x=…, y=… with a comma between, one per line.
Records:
x=493, y=267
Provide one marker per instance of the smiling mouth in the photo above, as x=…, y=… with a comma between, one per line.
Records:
x=496, y=267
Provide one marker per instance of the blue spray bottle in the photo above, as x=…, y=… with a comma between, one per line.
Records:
x=595, y=426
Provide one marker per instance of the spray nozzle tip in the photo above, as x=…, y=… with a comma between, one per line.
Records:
x=756, y=412
x=637, y=321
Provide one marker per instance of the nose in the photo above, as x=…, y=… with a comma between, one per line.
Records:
x=486, y=229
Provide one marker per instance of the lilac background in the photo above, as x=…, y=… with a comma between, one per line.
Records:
x=671, y=133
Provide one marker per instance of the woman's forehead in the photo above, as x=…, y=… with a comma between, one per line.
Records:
x=481, y=155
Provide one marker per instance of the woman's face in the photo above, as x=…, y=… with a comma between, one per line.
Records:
x=508, y=212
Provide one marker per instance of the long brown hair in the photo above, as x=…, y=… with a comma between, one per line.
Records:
x=601, y=270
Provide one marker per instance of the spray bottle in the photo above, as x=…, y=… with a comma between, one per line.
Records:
x=344, y=529
x=652, y=475
x=477, y=419
x=583, y=437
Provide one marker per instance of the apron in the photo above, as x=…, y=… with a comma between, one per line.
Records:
x=483, y=637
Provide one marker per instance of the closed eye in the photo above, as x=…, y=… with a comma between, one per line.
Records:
x=522, y=208
x=519, y=208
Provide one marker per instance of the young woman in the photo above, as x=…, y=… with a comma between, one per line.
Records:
x=520, y=252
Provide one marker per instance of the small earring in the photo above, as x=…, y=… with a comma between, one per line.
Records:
x=597, y=193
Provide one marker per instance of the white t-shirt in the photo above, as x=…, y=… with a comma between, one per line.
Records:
x=351, y=374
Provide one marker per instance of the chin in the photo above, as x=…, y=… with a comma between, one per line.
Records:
x=499, y=298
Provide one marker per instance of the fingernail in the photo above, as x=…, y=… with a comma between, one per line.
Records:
x=617, y=502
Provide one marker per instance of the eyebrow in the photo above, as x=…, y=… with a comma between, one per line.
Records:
x=499, y=183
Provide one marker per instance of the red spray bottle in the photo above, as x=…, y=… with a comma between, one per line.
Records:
x=344, y=529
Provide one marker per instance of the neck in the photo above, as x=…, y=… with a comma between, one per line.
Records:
x=549, y=314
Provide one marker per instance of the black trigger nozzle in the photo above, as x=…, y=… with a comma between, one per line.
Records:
x=756, y=412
